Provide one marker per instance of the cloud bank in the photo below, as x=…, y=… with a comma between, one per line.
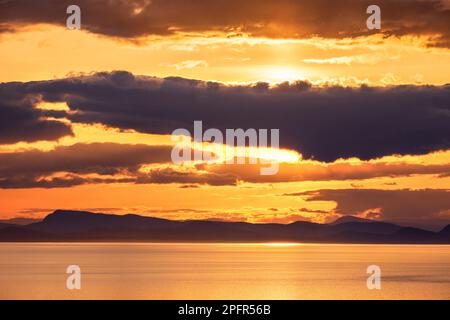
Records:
x=273, y=18
x=388, y=205
x=321, y=123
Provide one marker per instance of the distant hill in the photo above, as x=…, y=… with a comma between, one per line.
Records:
x=4, y=225
x=86, y=226
x=444, y=234
x=345, y=219
x=21, y=234
x=20, y=221
x=374, y=227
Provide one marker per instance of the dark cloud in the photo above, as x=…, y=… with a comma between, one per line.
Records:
x=34, y=168
x=178, y=210
x=169, y=175
x=316, y=171
x=275, y=18
x=66, y=181
x=100, y=158
x=20, y=171
x=19, y=121
x=321, y=123
x=95, y=163
x=314, y=211
x=405, y=205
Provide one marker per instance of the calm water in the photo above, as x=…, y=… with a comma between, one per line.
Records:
x=223, y=271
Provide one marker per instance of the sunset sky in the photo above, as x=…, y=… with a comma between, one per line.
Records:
x=364, y=115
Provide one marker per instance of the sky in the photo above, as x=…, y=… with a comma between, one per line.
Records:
x=86, y=115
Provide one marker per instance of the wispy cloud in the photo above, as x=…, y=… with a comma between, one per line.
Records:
x=189, y=64
x=357, y=59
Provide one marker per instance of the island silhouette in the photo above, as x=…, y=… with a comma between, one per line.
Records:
x=84, y=226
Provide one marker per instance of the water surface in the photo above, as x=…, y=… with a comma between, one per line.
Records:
x=223, y=271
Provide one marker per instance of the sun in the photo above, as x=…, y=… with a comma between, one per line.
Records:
x=280, y=74
x=282, y=244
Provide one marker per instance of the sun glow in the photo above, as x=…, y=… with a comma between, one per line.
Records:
x=282, y=244
x=280, y=74
x=53, y=106
x=223, y=152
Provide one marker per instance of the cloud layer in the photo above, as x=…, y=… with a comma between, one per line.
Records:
x=316, y=171
x=321, y=123
x=275, y=18
x=388, y=205
x=35, y=168
x=81, y=163
x=20, y=121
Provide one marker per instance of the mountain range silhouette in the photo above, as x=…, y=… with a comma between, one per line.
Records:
x=83, y=226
